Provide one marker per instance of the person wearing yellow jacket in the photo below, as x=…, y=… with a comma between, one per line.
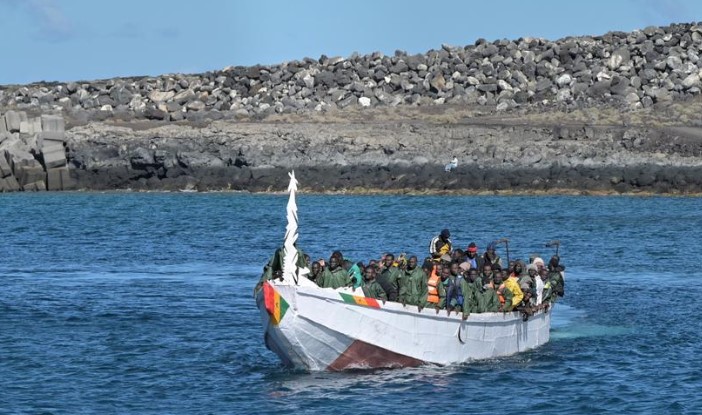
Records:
x=512, y=284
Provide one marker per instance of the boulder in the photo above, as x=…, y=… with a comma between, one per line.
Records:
x=121, y=95
x=691, y=80
x=438, y=82
x=564, y=80
x=346, y=102
x=631, y=98
x=141, y=158
x=619, y=85
x=196, y=105
x=619, y=58
x=184, y=96
x=151, y=113
x=192, y=159
x=674, y=63
x=543, y=85
x=161, y=96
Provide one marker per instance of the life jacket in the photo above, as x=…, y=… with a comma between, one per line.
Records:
x=433, y=287
x=499, y=292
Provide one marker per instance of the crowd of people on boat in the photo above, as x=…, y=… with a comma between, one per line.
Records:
x=456, y=280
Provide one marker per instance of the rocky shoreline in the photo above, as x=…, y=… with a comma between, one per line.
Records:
x=617, y=113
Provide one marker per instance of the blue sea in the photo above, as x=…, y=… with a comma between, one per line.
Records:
x=136, y=303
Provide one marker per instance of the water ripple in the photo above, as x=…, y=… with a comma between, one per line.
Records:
x=141, y=303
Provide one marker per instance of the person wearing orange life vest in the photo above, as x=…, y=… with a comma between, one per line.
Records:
x=440, y=245
x=423, y=295
x=436, y=290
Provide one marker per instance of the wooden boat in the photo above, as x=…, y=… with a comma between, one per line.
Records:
x=315, y=328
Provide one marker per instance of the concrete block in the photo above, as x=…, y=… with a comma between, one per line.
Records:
x=9, y=184
x=31, y=140
x=26, y=175
x=13, y=120
x=30, y=126
x=50, y=138
x=54, y=178
x=59, y=179
x=53, y=147
x=54, y=158
x=5, y=169
x=20, y=158
x=67, y=180
x=53, y=123
x=35, y=186
x=53, y=135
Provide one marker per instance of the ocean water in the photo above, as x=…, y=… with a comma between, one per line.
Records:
x=126, y=303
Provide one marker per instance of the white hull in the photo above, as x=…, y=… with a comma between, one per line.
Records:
x=321, y=330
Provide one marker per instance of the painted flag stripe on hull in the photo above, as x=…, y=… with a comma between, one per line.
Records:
x=275, y=304
x=358, y=300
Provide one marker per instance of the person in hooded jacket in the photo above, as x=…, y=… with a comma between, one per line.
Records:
x=490, y=256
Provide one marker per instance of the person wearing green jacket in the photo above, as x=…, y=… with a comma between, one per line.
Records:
x=555, y=277
x=414, y=286
x=388, y=277
x=443, y=285
x=371, y=288
x=488, y=301
x=470, y=292
x=548, y=295
x=335, y=276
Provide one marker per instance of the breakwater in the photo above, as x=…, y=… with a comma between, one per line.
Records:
x=613, y=113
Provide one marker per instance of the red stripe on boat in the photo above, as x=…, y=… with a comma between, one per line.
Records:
x=269, y=297
x=361, y=355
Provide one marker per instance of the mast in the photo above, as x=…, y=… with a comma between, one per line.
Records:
x=290, y=257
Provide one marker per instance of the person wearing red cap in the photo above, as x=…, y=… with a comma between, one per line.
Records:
x=472, y=257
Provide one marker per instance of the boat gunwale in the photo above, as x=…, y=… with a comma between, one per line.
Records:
x=399, y=308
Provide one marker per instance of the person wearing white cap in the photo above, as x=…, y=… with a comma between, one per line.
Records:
x=533, y=271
